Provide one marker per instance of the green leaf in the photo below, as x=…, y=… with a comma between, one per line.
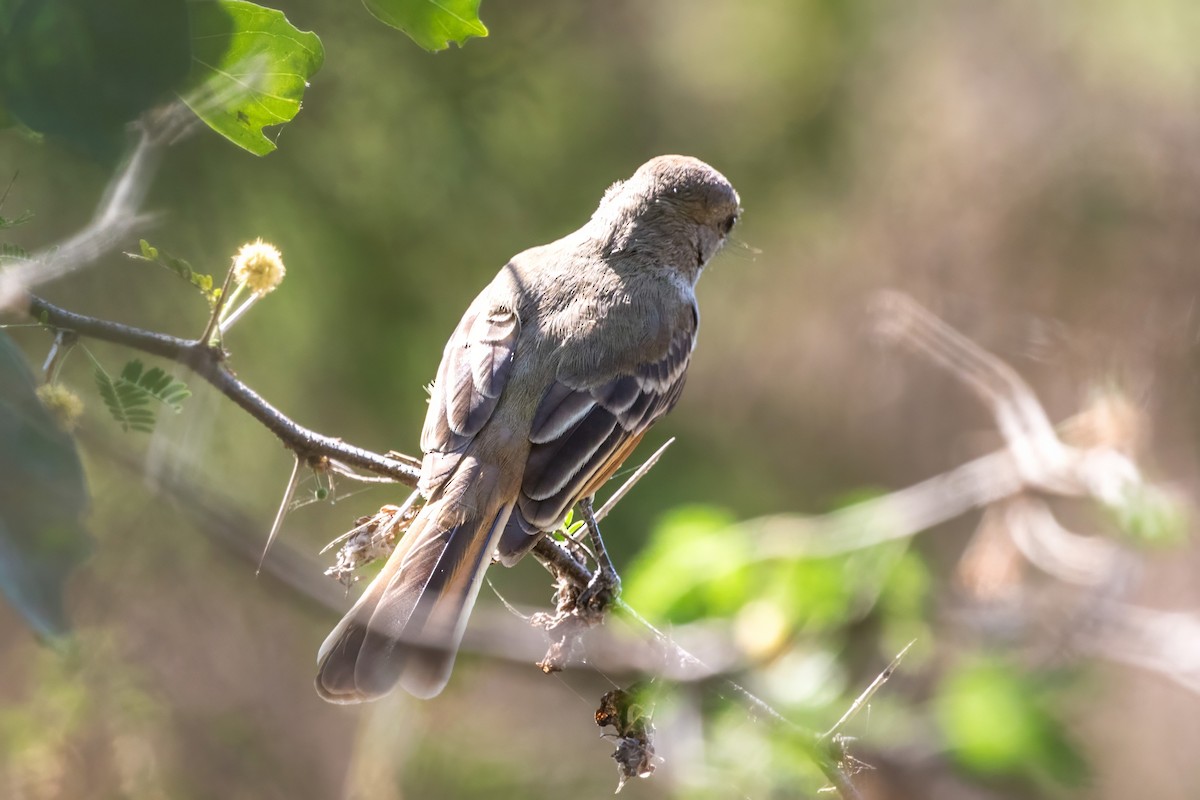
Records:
x=250, y=67
x=81, y=70
x=996, y=721
x=129, y=396
x=1153, y=516
x=433, y=24
x=202, y=282
x=691, y=567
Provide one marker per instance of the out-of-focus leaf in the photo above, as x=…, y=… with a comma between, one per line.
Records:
x=995, y=720
x=42, y=500
x=691, y=567
x=433, y=24
x=816, y=594
x=81, y=70
x=905, y=591
x=250, y=67
x=1152, y=516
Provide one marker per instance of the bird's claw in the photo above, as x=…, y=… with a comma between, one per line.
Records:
x=601, y=592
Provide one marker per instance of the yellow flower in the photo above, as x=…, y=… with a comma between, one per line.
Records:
x=259, y=266
x=63, y=404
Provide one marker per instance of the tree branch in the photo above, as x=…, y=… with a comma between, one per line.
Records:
x=210, y=363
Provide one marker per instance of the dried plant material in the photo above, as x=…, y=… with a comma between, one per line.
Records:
x=372, y=537
x=579, y=603
x=626, y=712
x=565, y=626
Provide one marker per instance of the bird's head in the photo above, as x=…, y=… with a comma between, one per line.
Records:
x=675, y=209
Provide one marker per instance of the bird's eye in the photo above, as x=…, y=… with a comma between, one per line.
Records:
x=727, y=223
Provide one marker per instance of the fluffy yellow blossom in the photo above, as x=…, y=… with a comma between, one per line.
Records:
x=258, y=266
x=63, y=404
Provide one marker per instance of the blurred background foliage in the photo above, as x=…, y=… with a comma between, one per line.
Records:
x=1030, y=171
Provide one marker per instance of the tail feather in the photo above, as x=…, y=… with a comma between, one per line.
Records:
x=406, y=627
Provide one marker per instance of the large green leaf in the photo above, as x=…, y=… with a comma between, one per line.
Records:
x=250, y=67
x=690, y=567
x=80, y=70
x=433, y=24
x=43, y=497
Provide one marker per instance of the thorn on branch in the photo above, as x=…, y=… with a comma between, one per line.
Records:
x=284, y=504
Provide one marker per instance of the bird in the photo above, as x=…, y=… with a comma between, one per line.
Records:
x=551, y=378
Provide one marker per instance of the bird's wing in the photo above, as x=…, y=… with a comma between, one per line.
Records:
x=474, y=370
x=582, y=433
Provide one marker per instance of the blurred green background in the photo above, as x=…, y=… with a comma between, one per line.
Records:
x=1029, y=171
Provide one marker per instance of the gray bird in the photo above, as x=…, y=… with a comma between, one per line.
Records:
x=553, y=376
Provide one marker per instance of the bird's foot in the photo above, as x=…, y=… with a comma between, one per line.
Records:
x=601, y=592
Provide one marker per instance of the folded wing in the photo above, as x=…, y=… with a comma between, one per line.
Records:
x=582, y=434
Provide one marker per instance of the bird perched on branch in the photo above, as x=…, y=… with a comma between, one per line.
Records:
x=554, y=374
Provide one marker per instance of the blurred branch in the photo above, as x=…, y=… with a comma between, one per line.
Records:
x=1166, y=642
x=115, y=218
x=1034, y=457
x=1056, y=551
x=1041, y=459
x=219, y=518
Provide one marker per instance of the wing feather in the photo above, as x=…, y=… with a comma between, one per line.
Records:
x=582, y=433
x=561, y=409
x=475, y=368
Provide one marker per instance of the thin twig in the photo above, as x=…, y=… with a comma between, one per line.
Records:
x=868, y=693
x=284, y=504
x=211, y=328
x=633, y=479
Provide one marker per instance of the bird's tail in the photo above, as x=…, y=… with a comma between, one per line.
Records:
x=406, y=627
